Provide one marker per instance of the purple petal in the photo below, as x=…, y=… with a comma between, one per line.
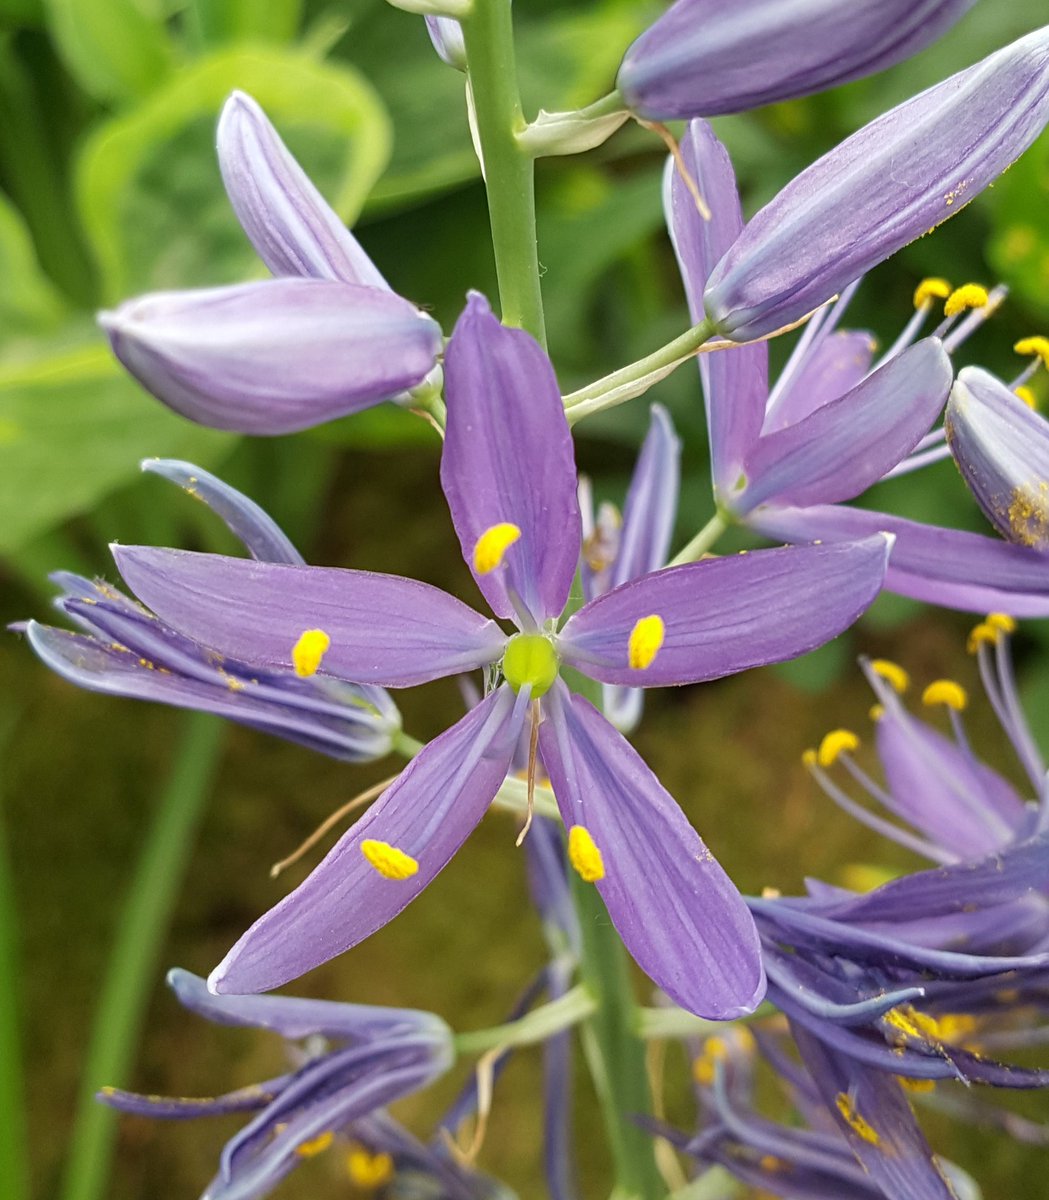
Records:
x=888, y=184
x=948, y=567
x=182, y=1108
x=676, y=910
x=651, y=503
x=427, y=814
x=508, y=458
x=446, y=35
x=703, y=58
x=291, y=226
x=1002, y=450
x=726, y=615
x=262, y=536
x=845, y=446
x=383, y=629
x=838, y=363
x=735, y=382
x=276, y=356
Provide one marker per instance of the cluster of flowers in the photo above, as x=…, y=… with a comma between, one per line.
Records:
x=880, y=993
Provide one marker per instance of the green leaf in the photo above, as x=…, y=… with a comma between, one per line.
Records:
x=148, y=185
x=216, y=21
x=73, y=427
x=28, y=301
x=116, y=49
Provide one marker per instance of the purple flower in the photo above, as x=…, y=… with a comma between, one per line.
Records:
x=325, y=338
x=355, y=1061
x=703, y=58
x=509, y=477
x=785, y=457
x=891, y=182
x=446, y=34
x=124, y=650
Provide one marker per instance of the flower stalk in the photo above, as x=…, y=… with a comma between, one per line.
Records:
x=537, y=1026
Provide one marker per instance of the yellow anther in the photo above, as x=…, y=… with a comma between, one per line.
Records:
x=1035, y=346
x=946, y=692
x=645, y=640
x=929, y=290
x=876, y=712
x=947, y=1029
x=893, y=675
x=983, y=634
x=918, y=1086
x=390, y=862
x=855, y=1122
x=969, y=295
x=864, y=877
x=715, y=1050
x=1001, y=621
x=492, y=545
x=368, y=1171
x=584, y=855
x=308, y=651
x=770, y=1163
x=315, y=1145
x=1026, y=394
x=836, y=743
x=809, y=757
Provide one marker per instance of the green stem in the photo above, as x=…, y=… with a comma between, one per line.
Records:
x=571, y=1008
x=508, y=169
x=638, y=377
x=702, y=542
x=139, y=940
x=404, y=745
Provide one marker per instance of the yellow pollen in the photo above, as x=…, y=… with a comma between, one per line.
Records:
x=769, y=1162
x=1035, y=346
x=946, y=692
x=836, y=743
x=983, y=634
x=715, y=1050
x=492, y=545
x=1028, y=514
x=855, y=1122
x=1027, y=396
x=315, y=1145
x=894, y=675
x=876, y=712
x=947, y=1029
x=929, y=290
x=918, y=1086
x=390, y=862
x=308, y=651
x=645, y=640
x=1002, y=622
x=368, y=1171
x=969, y=295
x=584, y=855
x=809, y=757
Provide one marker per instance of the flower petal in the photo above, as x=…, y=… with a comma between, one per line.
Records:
x=735, y=382
x=888, y=184
x=508, y=458
x=426, y=814
x=949, y=567
x=1002, y=450
x=291, y=226
x=651, y=503
x=703, y=58
x=847, y=445
x=383, y=629
x=726, y=615
x=838, y=363
x=676, y=910
x=276, y=356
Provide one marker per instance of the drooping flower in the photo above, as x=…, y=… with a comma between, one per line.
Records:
x=894, y=180
x=785, y=457
x=703, y=58
x=508, y=473
x=125, y=650
x=326, y=337
x=355, y=1060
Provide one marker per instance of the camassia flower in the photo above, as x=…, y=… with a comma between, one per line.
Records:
x=508, y=474
x=326, y=337
x=785, y=457
x=125, y=650
x=354, y=1060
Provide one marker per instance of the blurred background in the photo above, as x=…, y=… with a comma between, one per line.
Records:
x=109, y=187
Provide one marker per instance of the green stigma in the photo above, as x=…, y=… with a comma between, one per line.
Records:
x=530, y=658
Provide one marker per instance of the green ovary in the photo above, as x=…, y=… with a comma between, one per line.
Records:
x=530, y=659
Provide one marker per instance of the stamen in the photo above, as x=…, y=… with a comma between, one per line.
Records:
x=969, y=295
x=492, y=545
x=308, y=651
x=368, y=1171
x=983, y=634
x=863, y=1129
x=584, y=855
x=1001, y=621
x=1026, y=395
x=876, y=712
x=1037, y=346
x=836, y=743
x=917, y=1086
x=646, y=638
x=892, y=673
x=315, y=1145
x=945, y=692
x=929, y=290
x=390, y=862
x=704, y=1067
x=533, y=753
